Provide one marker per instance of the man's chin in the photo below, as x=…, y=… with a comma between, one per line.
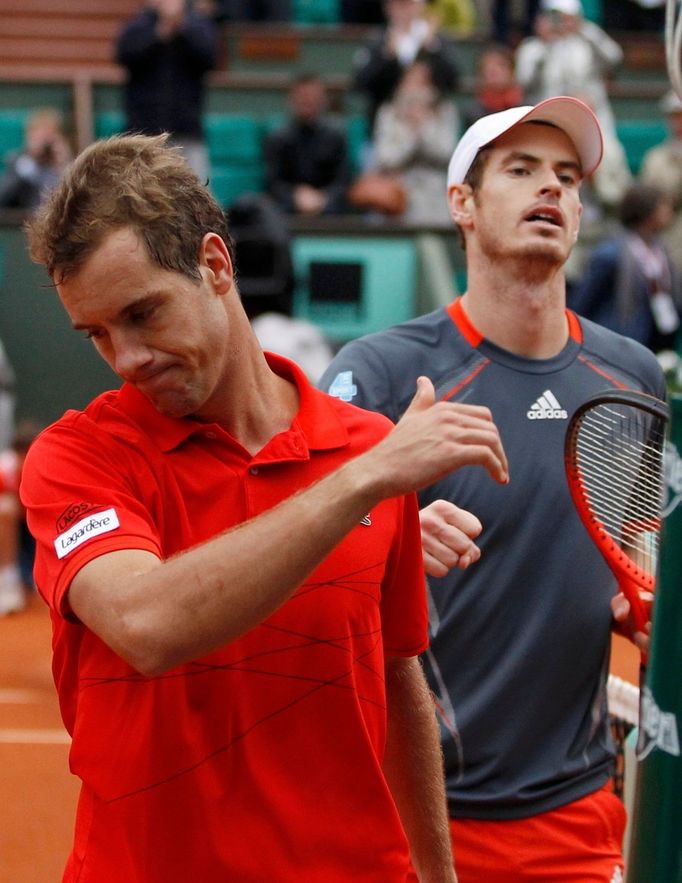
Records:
x=175, y=407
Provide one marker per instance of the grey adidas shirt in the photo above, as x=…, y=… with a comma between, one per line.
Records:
x=519, y=641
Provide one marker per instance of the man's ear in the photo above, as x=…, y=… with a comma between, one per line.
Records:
x=215, y=262
x=461, y=201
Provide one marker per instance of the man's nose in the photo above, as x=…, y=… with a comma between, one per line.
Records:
x=551, y=182
x=130, y=354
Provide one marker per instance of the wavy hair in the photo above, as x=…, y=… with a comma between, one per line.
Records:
x=128, y=181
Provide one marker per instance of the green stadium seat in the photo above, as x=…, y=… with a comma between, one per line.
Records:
x=235, y=149
x=637, y=136
x=228, y=182
x=11, y=130
x=108, y=123
x=357, y=133
x=233, y=138
x=592, y=9
x=349, y=286
x=312, y=12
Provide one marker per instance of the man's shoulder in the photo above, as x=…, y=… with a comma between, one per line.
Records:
x=404, y=337
x=369, y=424
x=102, y=417
x=380, y=370
x=627, y=356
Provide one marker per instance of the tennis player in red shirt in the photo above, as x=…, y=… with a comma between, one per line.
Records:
x=232, y=561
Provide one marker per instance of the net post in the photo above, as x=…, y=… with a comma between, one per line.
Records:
x=655, y=854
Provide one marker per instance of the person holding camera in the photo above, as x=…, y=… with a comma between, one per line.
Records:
x=569, y=55
x=30, y=173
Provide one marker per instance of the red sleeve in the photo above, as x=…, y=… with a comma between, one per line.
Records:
x=404, y=611
x=80, y=505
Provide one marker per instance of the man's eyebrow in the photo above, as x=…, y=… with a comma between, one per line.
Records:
x=145, y=300
x=520, y=156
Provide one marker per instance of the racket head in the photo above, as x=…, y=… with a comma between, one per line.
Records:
x=613, y=456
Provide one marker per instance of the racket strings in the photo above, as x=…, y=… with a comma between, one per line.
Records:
x=618, y=455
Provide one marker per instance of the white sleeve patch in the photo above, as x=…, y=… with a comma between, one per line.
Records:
x=85, y=529
x=342, y=387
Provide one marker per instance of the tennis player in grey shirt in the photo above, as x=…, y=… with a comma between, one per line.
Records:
x=520, y=641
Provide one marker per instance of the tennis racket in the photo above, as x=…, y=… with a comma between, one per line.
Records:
x=614, y=464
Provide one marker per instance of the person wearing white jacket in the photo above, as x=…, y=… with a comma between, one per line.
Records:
x=569, y=55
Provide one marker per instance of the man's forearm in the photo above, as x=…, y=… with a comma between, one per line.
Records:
x=414, y=770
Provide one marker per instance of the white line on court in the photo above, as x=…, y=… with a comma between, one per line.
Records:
x=35, y=737
x=19, y=697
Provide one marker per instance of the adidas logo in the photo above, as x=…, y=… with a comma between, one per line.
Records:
x=546, y=408
x=617, y=875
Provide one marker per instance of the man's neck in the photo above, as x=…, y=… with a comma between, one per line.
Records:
x=525, y=316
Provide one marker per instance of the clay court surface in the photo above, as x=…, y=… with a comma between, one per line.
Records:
x=37, y=791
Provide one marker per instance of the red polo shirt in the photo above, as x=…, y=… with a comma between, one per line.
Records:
x=262, y=761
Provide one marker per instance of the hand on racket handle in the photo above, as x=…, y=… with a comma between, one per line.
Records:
x=634, y=626
x=613, y=455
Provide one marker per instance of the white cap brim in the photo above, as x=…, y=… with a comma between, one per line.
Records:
x=570, y=115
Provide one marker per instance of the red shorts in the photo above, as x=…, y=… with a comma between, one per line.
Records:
x=577, y=843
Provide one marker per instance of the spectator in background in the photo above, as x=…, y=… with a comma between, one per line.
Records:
x=254, y=10
x=630, y=285
x=601, y=195
x=307, y=167
x=496, y=86
x=568, y=55
x=457, y=17
x=501, y=19
x=167, y=50
x=365, y=12
x=7, y=400
x=414, y=136
x=409, y=35
x=30, y=173
x=17, y=546
x=662, y=167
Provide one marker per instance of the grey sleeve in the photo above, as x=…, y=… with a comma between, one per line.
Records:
x=358, y=374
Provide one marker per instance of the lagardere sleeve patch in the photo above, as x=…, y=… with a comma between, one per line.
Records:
x=85, y=529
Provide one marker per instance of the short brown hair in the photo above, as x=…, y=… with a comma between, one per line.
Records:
x=134, y=181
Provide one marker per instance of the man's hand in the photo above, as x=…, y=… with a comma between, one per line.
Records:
x=620, y=608
x=448, y=535
x=434, y=438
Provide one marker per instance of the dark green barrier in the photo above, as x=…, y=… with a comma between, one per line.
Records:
x=656, y=845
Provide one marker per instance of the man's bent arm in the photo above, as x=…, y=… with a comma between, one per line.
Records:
x=413, y=767
x=157, y=615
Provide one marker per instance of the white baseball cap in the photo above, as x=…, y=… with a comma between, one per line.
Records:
x=568, y=7
x=570, y=115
